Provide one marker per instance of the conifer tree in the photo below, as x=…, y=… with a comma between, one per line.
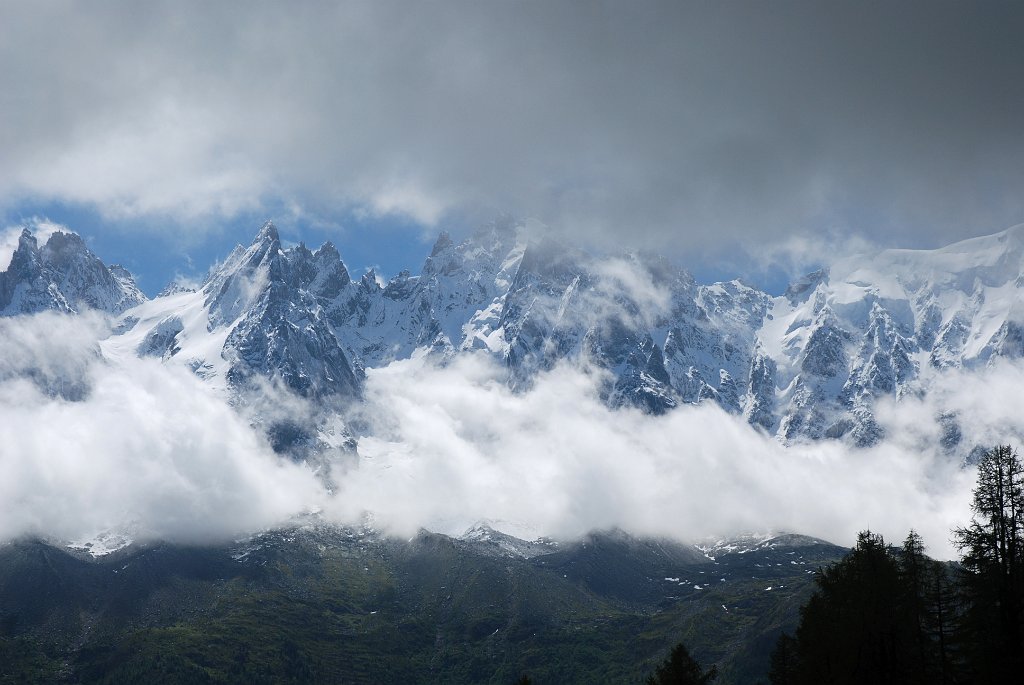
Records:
x=850, y=630
x=785, y=666
x=913, y=572
x=681, y=669
x=929, y=610
x=869, y=621
x=941, y=619
x=992, y=549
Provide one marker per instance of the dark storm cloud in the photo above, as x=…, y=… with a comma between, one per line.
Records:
x=683, y=124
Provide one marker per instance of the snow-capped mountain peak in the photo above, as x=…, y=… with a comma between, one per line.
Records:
x=809, y=364
x=63, y=275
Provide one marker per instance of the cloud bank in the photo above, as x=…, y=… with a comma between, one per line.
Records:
x=147, y=447
x=683, y=125
x=141, y=446
x=453, y=445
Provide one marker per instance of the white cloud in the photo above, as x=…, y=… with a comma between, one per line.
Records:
x=801, y=252
x=626, y=277
x=454, y=445
x=407, y=199
x=149, y=447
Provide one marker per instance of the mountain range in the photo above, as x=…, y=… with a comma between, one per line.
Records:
x=313, y=601
x=809, y=364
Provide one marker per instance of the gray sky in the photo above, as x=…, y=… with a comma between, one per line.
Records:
x=683, y=126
